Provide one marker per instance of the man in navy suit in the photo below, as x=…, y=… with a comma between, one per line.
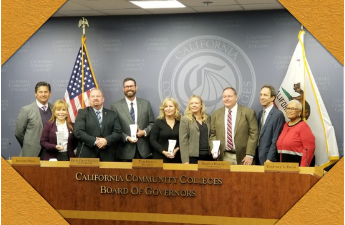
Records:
x=97, y=128
x=270, y=121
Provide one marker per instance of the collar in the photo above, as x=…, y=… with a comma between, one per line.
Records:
x=268, y=109
x=59, y=124
x=101, y=110
x=129, y=102
x=40, y=105
x=233, y=109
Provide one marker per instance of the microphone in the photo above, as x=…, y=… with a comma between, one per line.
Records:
x=81, y=149
x=9, y=152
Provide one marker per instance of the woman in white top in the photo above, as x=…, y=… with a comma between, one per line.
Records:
x=58, y=129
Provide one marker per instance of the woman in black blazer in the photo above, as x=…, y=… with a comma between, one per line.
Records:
x=166, y=128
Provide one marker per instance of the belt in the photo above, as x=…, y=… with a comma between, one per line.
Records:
x=232, y=151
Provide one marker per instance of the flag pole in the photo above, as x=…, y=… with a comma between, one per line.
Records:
x=304, y=69
x=82, y=23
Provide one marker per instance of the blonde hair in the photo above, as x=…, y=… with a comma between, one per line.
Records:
x=59, y=104
x=177, y=115
x=189, y=113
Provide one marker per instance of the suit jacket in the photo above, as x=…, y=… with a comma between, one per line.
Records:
x=145, y=120
x=267, y=148
x=29, y=129
x=49, y=142
x=246, y=132
x=86, y=129
x=189, y=138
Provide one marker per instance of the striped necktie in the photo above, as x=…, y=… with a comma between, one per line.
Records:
x=99, y=117
x=262, y=120
x=229, y=142
x=132, y=112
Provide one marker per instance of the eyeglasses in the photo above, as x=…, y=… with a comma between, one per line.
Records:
x=293, y=109
x=129, y=86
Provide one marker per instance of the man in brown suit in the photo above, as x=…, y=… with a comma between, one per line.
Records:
x=237, y=129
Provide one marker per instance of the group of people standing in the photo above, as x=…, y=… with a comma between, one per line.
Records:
x=106, y=133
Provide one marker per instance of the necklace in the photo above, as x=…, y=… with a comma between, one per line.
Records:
x=291, y=124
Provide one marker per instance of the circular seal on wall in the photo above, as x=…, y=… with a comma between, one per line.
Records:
x=204, y=66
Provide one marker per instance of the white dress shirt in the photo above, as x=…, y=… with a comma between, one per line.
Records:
x=40, y=105
x=135, y=106
x=267, y=111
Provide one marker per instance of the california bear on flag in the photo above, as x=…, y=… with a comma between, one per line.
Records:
x=299, y=84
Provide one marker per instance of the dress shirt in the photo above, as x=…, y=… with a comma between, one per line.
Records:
x=268, y=109
x=135, y=106
x=40, y=105
x=63, y=128
x=233, y=121
x=101, y=112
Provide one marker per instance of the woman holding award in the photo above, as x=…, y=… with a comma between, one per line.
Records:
x=194, y=132
x=57, y=139
x=164, y=135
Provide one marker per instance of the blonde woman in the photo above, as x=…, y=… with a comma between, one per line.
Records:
x=194, y=132
x=58, y=122
x=166, y=128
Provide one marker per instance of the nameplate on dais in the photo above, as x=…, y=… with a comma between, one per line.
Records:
x=84, y=162
x=214, y=165
x=147, y=163
x=281, y=167
x=26, y=161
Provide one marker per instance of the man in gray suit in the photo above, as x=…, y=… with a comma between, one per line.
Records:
x=271, y=122
x=31, y=119
x=237, y=129
x=132, y=110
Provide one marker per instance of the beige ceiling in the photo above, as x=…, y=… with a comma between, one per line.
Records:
x=125, y=7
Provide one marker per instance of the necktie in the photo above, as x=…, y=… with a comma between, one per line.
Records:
x=229, y=143
x=132, y=112
x=44, y=108
x=99, y=117
x=262, y=120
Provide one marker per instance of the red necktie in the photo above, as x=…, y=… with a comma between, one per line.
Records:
x=229, y=143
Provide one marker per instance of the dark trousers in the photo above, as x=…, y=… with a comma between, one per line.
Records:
x=62, y=156
x=202, y=157
x=136, y=156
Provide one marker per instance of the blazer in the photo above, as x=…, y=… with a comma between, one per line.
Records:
x=28, y=130
x=145, y=120
x=267, y=146
x=189, y=138
x=86, y=129
x=49, y=142
x=246, y=132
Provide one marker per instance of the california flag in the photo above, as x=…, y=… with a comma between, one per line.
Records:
x=299, y=84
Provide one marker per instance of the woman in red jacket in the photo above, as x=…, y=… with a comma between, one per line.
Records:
x=59, y=122
x=296, y=142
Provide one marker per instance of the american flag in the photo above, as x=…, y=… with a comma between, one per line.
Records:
x=74, y=94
